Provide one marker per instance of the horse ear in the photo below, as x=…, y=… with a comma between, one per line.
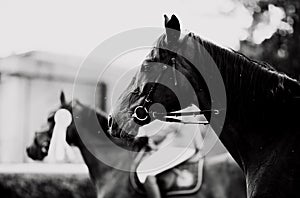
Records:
x=166, y=20
x=172, y=29
x=62, y=98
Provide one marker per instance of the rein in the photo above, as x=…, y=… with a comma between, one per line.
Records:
x=173, y=115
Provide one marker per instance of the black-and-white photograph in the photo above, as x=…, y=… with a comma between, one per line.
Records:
x=173, y=98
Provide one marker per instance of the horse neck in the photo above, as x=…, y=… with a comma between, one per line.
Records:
x=257, y=98
x=105, y=177
x=95, y=166
x=251, y=85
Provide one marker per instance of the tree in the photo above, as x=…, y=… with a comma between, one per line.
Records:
x=282, y=49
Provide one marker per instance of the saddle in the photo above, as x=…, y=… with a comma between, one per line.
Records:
x=183, y=179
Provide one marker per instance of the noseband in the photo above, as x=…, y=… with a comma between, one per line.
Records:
x=141, y=114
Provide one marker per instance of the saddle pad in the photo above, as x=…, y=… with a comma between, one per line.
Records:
x=188, y=177
x=162, y=160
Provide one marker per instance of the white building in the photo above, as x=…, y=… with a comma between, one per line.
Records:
x=30, y=85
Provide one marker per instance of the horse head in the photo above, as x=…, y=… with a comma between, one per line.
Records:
x=39, y=148
x=86, y=123
x=166, y=81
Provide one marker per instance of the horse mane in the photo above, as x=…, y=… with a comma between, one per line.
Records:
x=249, y=84
x=90, y=111
x=234, y=57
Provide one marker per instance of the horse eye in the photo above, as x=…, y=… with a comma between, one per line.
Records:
x=51, y=119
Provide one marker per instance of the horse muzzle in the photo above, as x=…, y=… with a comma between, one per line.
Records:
x=124, y=130
x=34, y=153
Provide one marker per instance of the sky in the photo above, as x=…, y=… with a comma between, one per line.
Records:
x=76, y=27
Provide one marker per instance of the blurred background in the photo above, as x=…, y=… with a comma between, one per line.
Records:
x=42, y=44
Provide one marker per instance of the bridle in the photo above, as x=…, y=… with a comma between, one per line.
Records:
x=141, y=114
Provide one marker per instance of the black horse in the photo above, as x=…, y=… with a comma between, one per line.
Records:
x=261, y=127
x=221, y=176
